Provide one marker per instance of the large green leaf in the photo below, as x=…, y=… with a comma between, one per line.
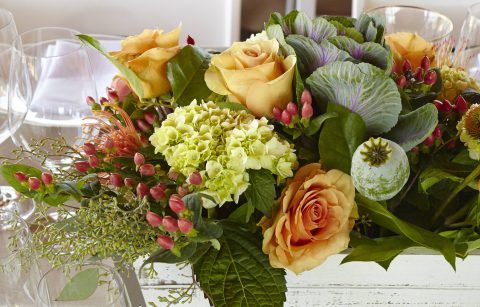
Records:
x=351, y=32
x=239, y=274
x=242, y=214
x=368, y=52
x=261, y=192
x=361, y=88
x=431, y=177
x=81, y=286
x=340, y=137
x=466, y=240
x=413, y=128
x=186, y=73
x=381, y=216
x=275, y=31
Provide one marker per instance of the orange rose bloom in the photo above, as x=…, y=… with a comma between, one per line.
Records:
x=409, y=46
x=317, y=212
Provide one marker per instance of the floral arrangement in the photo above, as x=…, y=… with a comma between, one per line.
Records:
x=306, y=139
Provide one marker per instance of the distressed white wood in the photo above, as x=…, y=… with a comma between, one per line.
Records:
x=413, y=279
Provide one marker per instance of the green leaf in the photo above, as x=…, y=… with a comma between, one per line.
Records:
x=275, y=31
x=466, y=240
x=347, y=31
x=463, y=158
x=340, y=137
x=381, y=216
x=368, y=52
x=8, y=173
x=431, y=177
x=166, y=256
x=81, y=286
x=361, y=88
x=413, y=128
x=131, y=77
x=343, y=20
x=206, y=229
x=234, y=106
x=239, y=274
x=261, y=192
x=186, y=73
x=317, y=122
x=242, y=214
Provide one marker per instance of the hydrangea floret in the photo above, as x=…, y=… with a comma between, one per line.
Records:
x=455, y=81
x=469, y=128
x=221, y=144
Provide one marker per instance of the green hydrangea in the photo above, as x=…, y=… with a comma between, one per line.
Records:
x=222, y=145
x=469, y=128
x=454, y=81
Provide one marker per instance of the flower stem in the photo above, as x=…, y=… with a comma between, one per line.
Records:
x=474, y=174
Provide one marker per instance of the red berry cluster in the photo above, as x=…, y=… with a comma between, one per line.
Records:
x=290, y=116
x=421, y=75
x=146, y=123
x=33, y=182
x=446, y=107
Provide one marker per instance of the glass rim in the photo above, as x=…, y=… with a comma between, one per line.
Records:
x=18, y=40
x=10, y=18
x=116, y=276
x=436, y=39
x=471, y=8
x=24, y=225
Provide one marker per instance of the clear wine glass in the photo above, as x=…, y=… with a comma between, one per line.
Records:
x=467, y=50
x=19, y=271
x=51, y=78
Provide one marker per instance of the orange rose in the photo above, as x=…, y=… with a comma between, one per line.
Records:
x=317, y=213
x=410, y=46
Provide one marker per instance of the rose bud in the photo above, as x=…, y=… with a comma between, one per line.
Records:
x=89, y=149
x=176, y=204
x=306, y=97
x=139, y=159
x=182, y=191
x=277, y=113
x=195, y=178
x=116, y=180
x=173, y=175
x=157, y=193
x=112, y=95
x=90, y=101
x=419, y=74
x=129, y=182
x=34, y=183
x=429, y=141
x=93, y=161
x=143, y=125
x=401, y=81
x=165, y=241
x=121, y=88
x=425, y=64
x=147, y=170
x=154, y=219
x=437, y=133
x=170, y=224
x=21, y=177
x=292, y=108
x=103, y=100
x=286, y=117
x=47, y=178
x=109, y=143
x=461, y=105
x=430, y=77
x=406, y=66
x=142, y=190
x=82, y=166
x=307, y=111
x=190, y=40
x=150, y=117
x=184, y=225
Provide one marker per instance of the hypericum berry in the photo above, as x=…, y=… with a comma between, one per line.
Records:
x=195, y=178
x=307, y=111
x=47, y=178
x=89, y=149
x=138, y=159
x=443, y=106
x=176, y=203
x=142, y=190
x=112, y=95
x=306, y=97
x=173, y=175
x=93, y=161
x=190, y=40
x=438, y=104
x=121, y=88
x=447, y=105
x=82, y=166
x=154, y=219
x=157, y=193
x=165, y=241
x=116, y=180
x=437, y=133
x=103, y=100
x=90, y=100
x=430, y=77
x=401, y=81
x=150, y=117
x=292, y=108
x=425, y=64
x=461, y=105
x=452, y=144
x=406, y=66
x=170, y=224
x=34, y=183
x=277, y=113
x=286, y=117
x=129, y=182
x=185, y=225
x=182, y=191
x=21, y=177
x=143, y=125
x=147, y=170
x=429, y=141
x=419, y=74
x=415, y=150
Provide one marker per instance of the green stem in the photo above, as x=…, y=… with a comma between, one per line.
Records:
x=474, y=174
x=459, y=213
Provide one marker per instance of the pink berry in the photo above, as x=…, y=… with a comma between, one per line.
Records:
x=139, y=159
x=452, y=144
x=419, y=74
x=89, y=149
x=292, y=108
x=143, y=125
x=142, y=190
x=112, y=95
x=93, y=161
x=173, y=175
x=425, y=64
x=190, y=40
x=21, y=177
x=170, y=224
x=437, y=133
x=90, y=101
x=147, y=170
x=182, y=191
x=306, y=97
x=401, y=81
x=195, y=178
x=34, y=183
x=277, y=113
x=447, y=106
x=176, y=203
x=286, y=117
x=154, y=219
x=103, y=100
x=461, y=105
x=47, y=178
x=121, y=88
x=149, y=117
x=165, y=241
x=185, y=225
x=406, y=66
x=129, y=182
x=430, y=77
x=157, y=193
x=307, y=111
x=415, y=150
x=429, y=141
x=82, y=166
x=116, y=180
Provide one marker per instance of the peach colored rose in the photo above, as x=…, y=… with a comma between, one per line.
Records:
x=147, y=55
x=317, y=212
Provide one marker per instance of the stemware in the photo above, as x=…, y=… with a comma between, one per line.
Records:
x=19, y=272
x=51, y=78
x=467, y=50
